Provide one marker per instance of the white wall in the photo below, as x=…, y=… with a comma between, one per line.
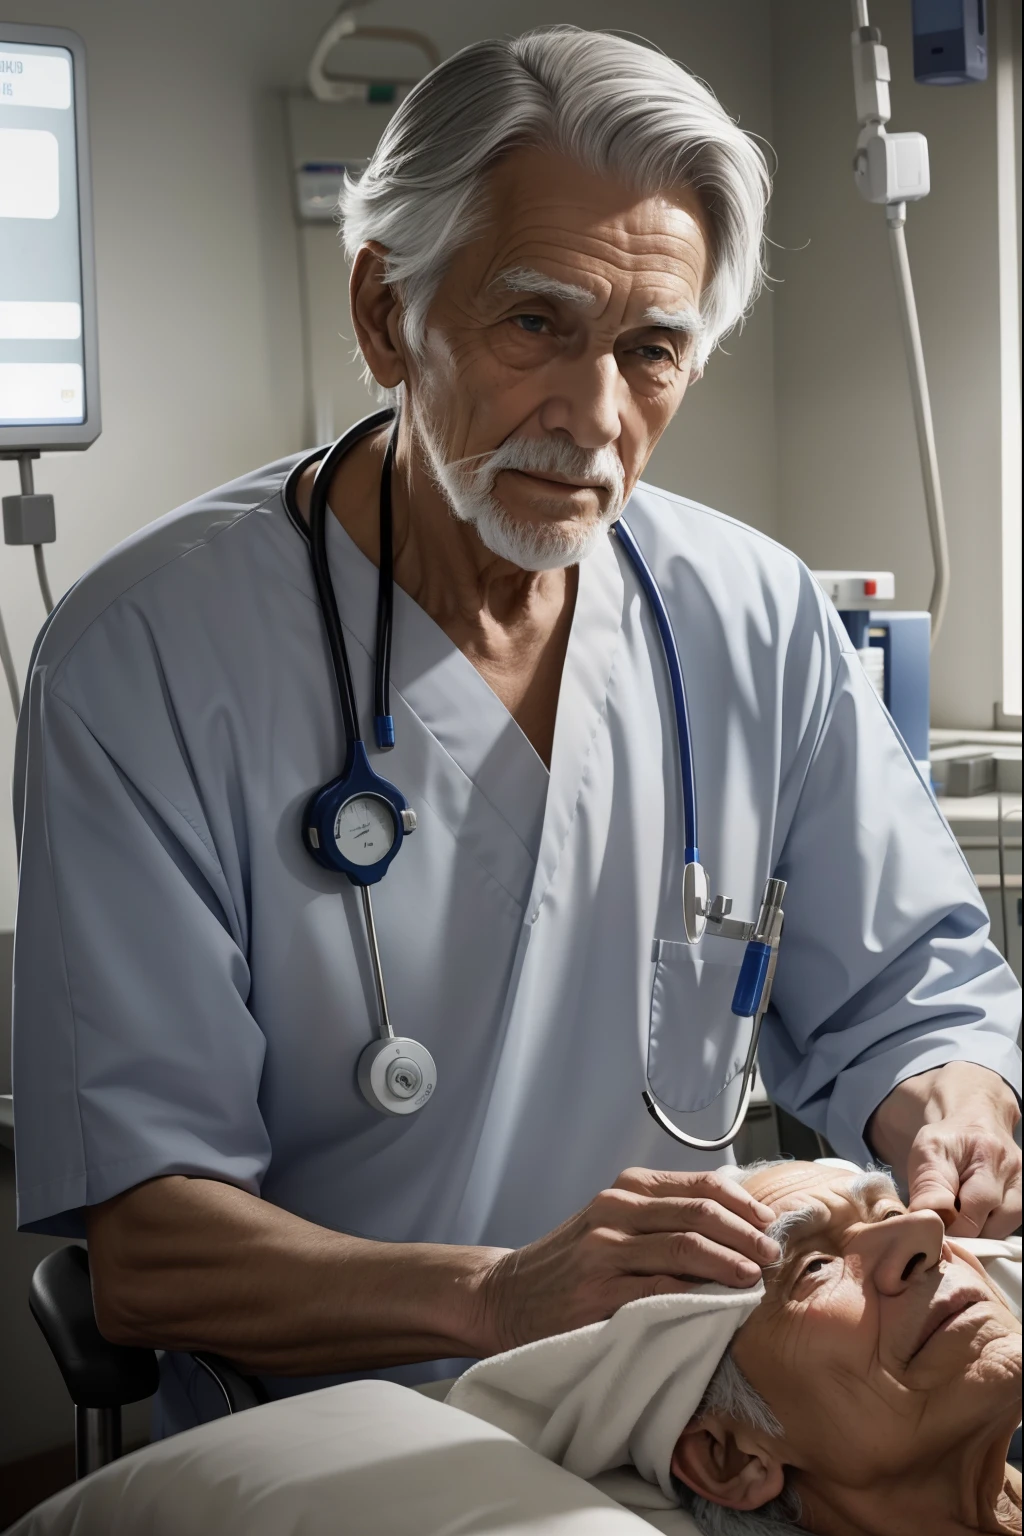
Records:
x=849, y=487
x=200, y=333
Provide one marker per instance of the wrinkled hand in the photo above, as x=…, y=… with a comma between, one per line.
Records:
x=950, y=1133
x=650, y=1234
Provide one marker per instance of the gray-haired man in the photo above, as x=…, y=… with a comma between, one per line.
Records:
x=552, y=237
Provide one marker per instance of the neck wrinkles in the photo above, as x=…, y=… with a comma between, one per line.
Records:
x=969, y=1494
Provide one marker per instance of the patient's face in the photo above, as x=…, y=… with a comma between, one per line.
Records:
x=879, y=1346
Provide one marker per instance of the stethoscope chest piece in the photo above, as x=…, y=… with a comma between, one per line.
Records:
x=355, y=824
x=396, y=1076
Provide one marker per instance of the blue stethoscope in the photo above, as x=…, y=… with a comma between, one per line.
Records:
x=356, y=824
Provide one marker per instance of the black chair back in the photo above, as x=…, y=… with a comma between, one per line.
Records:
x=102, y=1377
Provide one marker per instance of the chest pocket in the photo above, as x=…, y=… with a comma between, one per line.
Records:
x=696, y=1044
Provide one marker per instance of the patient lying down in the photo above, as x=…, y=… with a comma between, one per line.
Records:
x=874, y=1390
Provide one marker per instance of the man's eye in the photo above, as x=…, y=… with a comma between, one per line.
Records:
x=814, y=1267
x=532, y=324
x=655, y=354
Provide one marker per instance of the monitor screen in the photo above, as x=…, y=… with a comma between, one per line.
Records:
x=44, y=316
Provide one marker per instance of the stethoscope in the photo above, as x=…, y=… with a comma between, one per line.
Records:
x=356, y=824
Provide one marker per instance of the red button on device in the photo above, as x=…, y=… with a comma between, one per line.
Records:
x=871, y=589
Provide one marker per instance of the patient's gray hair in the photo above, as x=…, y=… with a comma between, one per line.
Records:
x=731, y=1395
x=614, y=106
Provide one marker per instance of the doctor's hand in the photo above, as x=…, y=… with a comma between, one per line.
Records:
x=948, y=1135
x=650, y=1234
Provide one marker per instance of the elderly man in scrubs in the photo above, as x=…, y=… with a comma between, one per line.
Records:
x=551, y=238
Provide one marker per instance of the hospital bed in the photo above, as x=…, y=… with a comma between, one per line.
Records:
x=367, y=1457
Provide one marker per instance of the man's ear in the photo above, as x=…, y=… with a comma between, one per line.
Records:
x=376, y=315
x=727, y=1463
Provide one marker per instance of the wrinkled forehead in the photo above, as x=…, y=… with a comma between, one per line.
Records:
x=792, y=1187
x=549, y=215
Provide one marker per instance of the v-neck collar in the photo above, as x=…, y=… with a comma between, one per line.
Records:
x=582, y=701
x=462, y=712
x=445, y=691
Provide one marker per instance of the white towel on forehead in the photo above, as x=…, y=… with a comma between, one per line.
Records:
x=616, y=1392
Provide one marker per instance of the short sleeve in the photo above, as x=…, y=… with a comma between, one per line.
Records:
x=135, y=1053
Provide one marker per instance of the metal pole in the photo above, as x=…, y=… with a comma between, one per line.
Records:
x=97, y=1438
x=386, y=1031
x=28, y=488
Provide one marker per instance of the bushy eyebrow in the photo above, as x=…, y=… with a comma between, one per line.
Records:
x=867, y=1190
x=526, y=280
x=798, y=1223
x=686, y=320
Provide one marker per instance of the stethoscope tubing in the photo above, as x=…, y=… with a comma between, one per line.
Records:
x=318, y=510
x=315, y=534
x=316, y=537
x=626, y=538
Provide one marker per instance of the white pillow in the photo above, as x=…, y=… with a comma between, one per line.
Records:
x=368, y=1458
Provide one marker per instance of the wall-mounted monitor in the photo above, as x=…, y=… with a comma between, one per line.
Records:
x=49, y=373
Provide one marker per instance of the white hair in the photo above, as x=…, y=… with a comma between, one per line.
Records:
x=614, y=106
x=730, y=1395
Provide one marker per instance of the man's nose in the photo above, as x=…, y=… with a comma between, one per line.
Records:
x=587, y=402
x=901, y=1248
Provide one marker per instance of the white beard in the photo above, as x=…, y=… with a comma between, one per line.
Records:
x=468, y=487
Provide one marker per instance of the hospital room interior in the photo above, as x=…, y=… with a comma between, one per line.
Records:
x=174, y=313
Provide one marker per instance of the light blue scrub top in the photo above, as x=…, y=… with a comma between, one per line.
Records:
x=192, y=991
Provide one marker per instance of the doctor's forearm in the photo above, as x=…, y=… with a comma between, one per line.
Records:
x=195, y=1264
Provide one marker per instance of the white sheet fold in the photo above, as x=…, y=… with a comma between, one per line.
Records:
x=615, y=1393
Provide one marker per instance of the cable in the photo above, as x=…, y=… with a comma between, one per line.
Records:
x=1004, y=816
x=1001, y=845
x=871, y=87
x=44, y=580
x=896, y=219
x=10, y=673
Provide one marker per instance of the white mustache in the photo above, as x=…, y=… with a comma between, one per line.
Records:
x=548, y=455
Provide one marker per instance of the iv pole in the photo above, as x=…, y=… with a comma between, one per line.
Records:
x=892, y=169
